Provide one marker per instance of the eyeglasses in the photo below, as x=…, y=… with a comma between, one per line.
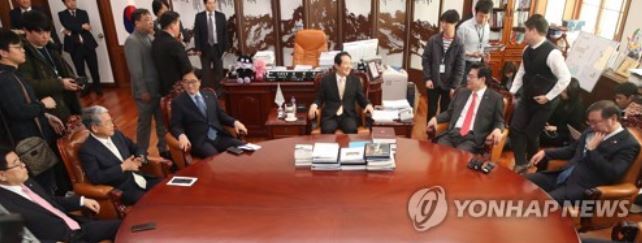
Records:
x=593, y=123
x=19, y=47
x=17, y=163
x=190, y=81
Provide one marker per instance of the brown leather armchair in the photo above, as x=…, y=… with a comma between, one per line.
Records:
x=181, y=158
x=626, y=189
x=108, y=197
x=491, y=151
x=314, y=125
x=308, y=45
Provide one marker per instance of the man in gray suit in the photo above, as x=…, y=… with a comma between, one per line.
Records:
x=144, y=81
x=476, y=113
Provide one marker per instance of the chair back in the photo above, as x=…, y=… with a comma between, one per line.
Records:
x=308, y=45
x=68, y=146
x=633, y=174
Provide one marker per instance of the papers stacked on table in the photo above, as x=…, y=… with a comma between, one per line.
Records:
x=380, y=157
x=303, y=155
x=352, y=158
x=325, y=156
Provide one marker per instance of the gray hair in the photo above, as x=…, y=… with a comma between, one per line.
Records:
x=91, y=115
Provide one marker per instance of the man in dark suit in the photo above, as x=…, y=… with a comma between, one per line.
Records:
x=210, y=39
x=46, y=70
x=169, y=54
x=17, y=23
x=476, y=113
x=338, y=94
x=601, y=156
x=198, y=120
x=80, y=43
x=111, y=158
x=44, y=215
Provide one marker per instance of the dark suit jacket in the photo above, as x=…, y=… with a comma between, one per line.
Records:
x=20, y=114
x=490, y=115
x=16, y=23
x=453, y=58
x=38, y=71
x=329, y=100
x=201, y=32
x=187, y=119
x=170, y=59
x=102, y=166
x=605, y=165
x=45, y=225
x=74, y=24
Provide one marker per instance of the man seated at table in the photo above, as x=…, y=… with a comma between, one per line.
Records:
x=337, y=94
x=110, y=158
x=476, y=113
x=197, y=120
x=46, y=216
x=601, y=156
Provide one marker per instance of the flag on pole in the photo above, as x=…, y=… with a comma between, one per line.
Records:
x=279, y=99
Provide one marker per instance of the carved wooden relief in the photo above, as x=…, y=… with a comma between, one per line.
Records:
x=391, y=31
x=227, y=7
x=258, y=26
x=424, y=24
x=357, y=24
x=323, y=15
x=291, y=21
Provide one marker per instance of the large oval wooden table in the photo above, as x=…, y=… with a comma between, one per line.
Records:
x=262, y=197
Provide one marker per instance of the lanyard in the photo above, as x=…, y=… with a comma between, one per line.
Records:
x=480, y=35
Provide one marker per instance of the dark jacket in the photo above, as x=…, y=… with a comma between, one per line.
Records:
x=45, y=225
x=102, y=166
x=16, y=23
x=170, y=59
x=453, y=59
x=74, y=24
x=19, y=113
x=187, y=119
x=605, y=165
x=39, y=72
x=201, y=32
x=329, y=100
x=489, y=116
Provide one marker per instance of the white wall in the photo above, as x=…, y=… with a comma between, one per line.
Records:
x=633, y=20
x=453, y=4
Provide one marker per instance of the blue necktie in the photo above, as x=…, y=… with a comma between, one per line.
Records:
x=563, y=176
x=211, y=132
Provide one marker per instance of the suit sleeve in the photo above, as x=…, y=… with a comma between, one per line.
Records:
x=176, y=121
x=446, y=115
x=134, y=58
x=498, y=116
x=180, y=55
x=69, y=203
x=15, y=104
x=426, y=60
x=133, y=147
x=361, y=97
x=94, y=173
x=567, y=152
x=197, y=34
x=42, y=86
x=459, y=69
x=68, y=23
x=320, y=99
x=616, y=167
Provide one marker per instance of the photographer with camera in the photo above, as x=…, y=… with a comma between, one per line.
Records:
x=45, y=69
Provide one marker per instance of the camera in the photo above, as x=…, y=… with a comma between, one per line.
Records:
x=81, y=82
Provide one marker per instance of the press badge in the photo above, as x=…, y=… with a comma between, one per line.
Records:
x=442, y=68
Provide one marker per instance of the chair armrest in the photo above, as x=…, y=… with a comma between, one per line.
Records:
x=556, y=164
x=181, y=158
x=161, y=165
x=495, y=150
x=432, y=132
x=93, y=191
x=617, y=191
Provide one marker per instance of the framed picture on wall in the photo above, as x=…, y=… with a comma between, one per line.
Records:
x=373, y=71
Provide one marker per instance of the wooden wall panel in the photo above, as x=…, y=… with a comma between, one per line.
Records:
x=291, y=21
x=357, y=21
x=324, y=16
x=229, y=9
x=391, y=31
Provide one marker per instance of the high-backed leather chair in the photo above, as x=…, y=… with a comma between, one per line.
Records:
x=308, y=45
x=109, y=198
x=491, y=151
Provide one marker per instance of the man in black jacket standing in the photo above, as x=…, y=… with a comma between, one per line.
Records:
x=169, y=54
x=210, y=39
x=443, y=63
x=80, y=43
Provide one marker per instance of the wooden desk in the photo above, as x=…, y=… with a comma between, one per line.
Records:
x=401, y=128
x=278, y=128
x=262, y=197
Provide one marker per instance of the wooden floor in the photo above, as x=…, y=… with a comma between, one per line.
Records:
x=123, y=110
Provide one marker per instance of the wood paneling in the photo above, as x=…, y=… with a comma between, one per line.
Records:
x=116, y=51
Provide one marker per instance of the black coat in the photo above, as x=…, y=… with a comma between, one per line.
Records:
x=328, y=97
x=453, y=59
x=170, y=59
x=74, y=24
x=201, y=32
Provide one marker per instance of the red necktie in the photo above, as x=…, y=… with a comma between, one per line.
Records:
x=72, y=224
x=469, y=117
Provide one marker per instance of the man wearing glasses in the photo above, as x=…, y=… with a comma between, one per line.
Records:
x=197, y=120
x=601, y=156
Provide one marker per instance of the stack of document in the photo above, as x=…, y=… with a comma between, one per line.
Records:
x=325, y=156
x=303, y=155
x=326, y=59
x=384, y=135
x=385, y=115
x=382, y=165
x=379, y=157
x=352, y=159
x=396, y=104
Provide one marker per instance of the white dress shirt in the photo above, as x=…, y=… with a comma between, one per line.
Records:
x=18, y=190
x=462, y=115
x=474, y=37
x=556, y=63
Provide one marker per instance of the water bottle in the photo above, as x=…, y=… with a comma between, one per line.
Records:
x=293, y=101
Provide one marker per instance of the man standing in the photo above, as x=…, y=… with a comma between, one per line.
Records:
x=45, y=70
x=17, y=23
x=475, y=115
x=80, y=43
x=169, y=55
x=443, y=63
x=145, y=81
x=210, y=32
x=475, y=33
x=337, y=94
x=543, y=75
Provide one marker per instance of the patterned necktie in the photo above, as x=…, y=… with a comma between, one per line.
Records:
x=342, y=88
x=72, y=224
x=210, y=26
x=468, y=119
x=211, y=132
